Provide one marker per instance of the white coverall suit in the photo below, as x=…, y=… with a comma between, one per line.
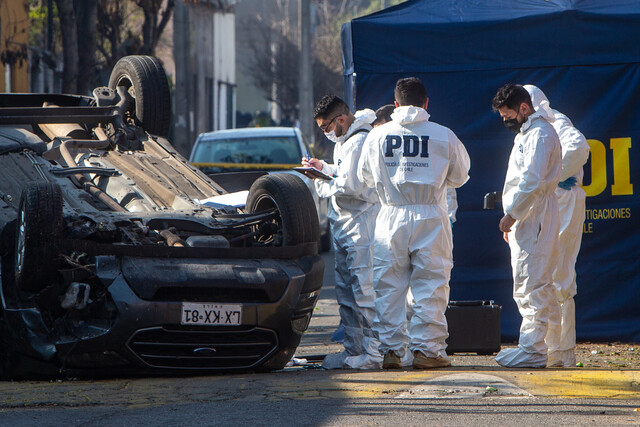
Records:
x=529, y=197
x=353, y=218
x=452, y=207
x=410, y=162
x=561, y=338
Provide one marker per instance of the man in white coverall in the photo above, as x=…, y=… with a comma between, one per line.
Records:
x=410, y=161
x=355, y=208
x=561, y=337
x=383, y=115
x=530, y=222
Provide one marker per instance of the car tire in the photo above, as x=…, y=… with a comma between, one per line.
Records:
x=144, y=78
x=38, y=236
x=289, y=194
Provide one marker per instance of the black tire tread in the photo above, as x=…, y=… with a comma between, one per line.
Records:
x=42, y=204
x=295, y=205
x=153, y=98
x=309, y=216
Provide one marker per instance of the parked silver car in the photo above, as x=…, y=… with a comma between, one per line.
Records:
x=236, y=157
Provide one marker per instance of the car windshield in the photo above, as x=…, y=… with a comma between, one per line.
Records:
x=258, y=150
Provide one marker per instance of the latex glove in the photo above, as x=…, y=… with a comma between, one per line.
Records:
x=568, y=183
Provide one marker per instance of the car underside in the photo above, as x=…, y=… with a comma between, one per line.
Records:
x=109, y=260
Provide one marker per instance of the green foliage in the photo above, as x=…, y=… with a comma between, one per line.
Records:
x=38, y=25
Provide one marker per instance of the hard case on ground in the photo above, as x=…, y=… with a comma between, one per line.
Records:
x=474, y=327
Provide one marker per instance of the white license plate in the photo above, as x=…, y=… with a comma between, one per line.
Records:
x=194, y=313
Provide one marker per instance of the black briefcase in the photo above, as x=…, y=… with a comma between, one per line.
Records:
x=474, y=327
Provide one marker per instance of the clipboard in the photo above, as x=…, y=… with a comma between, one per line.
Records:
x=313, y=173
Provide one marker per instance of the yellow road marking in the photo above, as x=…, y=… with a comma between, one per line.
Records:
x=312, y=385
x=578, y=383
x=566, y=383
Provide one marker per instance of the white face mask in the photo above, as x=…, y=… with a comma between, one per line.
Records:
x=331, y=136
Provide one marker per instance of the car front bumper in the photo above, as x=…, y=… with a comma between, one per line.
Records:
x=145, y=331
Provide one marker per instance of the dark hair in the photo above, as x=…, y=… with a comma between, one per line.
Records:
x=383, y=114
x=330, y=105
x=511, y=96
x=410, y=91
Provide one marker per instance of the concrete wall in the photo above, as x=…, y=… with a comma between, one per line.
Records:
x=202, y=69
x=204, y=53
x=224, y=70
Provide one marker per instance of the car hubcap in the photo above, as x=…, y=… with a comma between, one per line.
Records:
x=264, y=203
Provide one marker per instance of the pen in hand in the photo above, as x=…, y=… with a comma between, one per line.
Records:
x=309, y=165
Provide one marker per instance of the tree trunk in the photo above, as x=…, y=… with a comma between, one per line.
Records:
x=150, y=20
x=151, y=27
x=69, y=45
x=87, y=17
x=166, y=16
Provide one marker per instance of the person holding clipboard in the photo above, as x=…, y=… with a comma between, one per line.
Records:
x=355, y=208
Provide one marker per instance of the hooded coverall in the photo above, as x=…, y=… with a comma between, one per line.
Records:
x=410, y=161
x=355, y=208
x=529, y=197
x=561, y=337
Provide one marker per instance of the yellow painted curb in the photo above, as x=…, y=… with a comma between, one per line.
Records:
x=579, y=383
x=313, y=385
x=565, y=383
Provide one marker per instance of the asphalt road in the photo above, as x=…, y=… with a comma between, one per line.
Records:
x=474, y=391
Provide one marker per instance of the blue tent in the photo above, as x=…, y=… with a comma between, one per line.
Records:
x=585, y=55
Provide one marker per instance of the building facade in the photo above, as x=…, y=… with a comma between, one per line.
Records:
x=205, y=73
x=14, y=46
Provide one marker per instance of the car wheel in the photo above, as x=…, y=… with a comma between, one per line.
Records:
x=145, y=80
x=38, y=236
x=298, y=219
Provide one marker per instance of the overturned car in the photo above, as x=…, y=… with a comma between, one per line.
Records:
x=111, y=265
